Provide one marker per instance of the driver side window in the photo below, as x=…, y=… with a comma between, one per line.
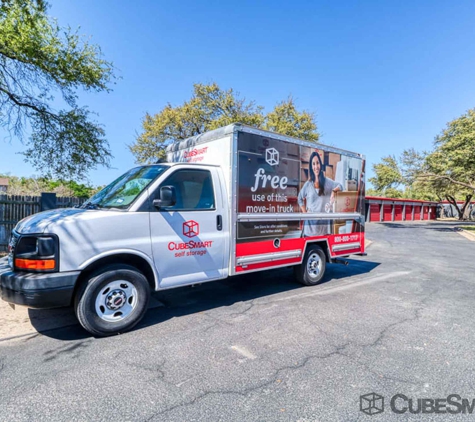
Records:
x=193, y=188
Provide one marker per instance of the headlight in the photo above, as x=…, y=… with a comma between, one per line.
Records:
x=37, y=253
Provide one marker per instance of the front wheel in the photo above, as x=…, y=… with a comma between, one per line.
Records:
x=312, y=269
x=112, y=300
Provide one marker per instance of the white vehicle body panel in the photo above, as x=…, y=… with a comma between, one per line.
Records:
x=89, y=235
x=186, y=245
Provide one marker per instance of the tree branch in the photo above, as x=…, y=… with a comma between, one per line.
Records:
x=445, y=177
x=38, y=64
x=20, y=103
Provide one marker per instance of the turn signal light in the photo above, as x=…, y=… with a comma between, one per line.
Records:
x=35, y=264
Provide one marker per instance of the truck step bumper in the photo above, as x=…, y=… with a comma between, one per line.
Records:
x=39, y=299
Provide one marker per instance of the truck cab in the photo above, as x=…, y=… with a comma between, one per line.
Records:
x=106, y=256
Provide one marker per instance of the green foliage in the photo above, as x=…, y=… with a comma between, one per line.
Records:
x=387, y=174
x=454, y=156
x=387, y=193
x=448, y=171
x=286, y=119
x=403, y=178
x=39, y=59
x=209, y=108
x=34, y=186
x=78, y=190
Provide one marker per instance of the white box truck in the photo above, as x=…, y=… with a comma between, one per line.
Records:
x=231, y=201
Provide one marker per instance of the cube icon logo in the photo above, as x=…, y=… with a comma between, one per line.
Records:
x=272, y=156
x=191, y=228
x=372, y=404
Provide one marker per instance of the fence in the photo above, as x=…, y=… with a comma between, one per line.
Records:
x=14, y=208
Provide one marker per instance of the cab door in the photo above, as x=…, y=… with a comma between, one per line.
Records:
x=190, y=239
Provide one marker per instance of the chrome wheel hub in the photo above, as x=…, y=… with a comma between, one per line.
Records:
x=116, y=300
x=314, y=265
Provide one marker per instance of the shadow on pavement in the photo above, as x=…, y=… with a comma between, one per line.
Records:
x=190, y=300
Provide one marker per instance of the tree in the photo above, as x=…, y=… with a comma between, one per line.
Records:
x=395, y=178
x=286, y=119
x=454, y=156
x=388, y=175
x=209, y=108
x=448, y=171
x=38, y=60
x=34, y=186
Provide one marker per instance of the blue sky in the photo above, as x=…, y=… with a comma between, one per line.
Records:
x=381, y=76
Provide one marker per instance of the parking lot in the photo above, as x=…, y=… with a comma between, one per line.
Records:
x=261, y=347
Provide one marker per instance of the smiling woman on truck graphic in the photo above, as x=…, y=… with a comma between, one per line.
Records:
x=317, y=194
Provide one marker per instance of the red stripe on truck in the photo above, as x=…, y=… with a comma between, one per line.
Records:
x=267, y=247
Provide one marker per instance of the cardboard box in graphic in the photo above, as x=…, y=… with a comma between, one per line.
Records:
x=345, y=201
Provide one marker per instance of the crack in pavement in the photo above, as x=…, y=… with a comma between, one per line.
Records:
x=240, y=313
x=337, y=351
x=67, y=349
x=156, y=370
x=217, y=322
x=417, y=315
x=274, y=378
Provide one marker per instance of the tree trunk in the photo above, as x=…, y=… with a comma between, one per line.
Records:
x=453, y=202
x=466, y=208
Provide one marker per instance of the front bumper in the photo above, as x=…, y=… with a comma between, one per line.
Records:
x=34, y=290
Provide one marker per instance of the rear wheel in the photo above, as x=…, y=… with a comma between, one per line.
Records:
x=113, y=300
x=312, y=269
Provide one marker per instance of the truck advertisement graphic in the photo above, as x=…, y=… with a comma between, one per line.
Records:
x=282, y=177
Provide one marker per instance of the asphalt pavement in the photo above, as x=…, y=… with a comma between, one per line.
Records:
x=263, y=348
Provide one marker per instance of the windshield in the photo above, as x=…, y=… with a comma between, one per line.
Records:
x=124, y=190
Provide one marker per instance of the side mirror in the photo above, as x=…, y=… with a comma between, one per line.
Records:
x=167, y=197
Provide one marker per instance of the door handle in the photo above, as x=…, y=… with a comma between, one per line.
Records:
x=219, y=222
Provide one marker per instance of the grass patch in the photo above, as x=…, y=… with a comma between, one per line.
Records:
x=468, y=228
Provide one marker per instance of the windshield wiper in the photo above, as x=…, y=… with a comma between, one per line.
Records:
x=90, y=206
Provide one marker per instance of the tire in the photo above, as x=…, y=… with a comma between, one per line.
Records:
x=312, y=269
x=112, y=300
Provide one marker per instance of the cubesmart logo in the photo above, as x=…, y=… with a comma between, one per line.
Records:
x=272, y=156
x=195, y=248
x=191, y=228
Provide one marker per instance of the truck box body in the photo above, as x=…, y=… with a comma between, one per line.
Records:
x=264, y=174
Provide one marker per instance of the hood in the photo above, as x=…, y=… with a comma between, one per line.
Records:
x=37, y=223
